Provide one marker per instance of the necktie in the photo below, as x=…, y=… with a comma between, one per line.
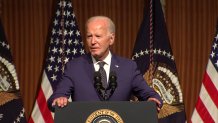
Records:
x=103, y=74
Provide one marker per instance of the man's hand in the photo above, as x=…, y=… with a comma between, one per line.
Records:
x=157, y=102
x=60, y=101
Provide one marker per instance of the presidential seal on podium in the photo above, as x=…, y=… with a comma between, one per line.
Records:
x=104, y=116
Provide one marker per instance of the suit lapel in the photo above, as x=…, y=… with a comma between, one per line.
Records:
x=89, y=67
x=114, y=64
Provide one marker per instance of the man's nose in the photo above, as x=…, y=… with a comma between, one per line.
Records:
x=93, y=40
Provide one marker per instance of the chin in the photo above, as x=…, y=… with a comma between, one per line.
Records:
x=94, y=55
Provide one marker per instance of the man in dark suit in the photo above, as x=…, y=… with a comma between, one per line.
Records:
x=79, y=80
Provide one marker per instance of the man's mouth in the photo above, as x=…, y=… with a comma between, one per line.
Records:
x=93, y=48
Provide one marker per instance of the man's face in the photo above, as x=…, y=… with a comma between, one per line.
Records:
x=98, y=38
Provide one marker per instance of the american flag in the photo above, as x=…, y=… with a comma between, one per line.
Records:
x=65, y=44
x=206, y=108
x=11, y=105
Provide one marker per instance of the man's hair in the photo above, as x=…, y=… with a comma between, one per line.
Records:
x=111, y=25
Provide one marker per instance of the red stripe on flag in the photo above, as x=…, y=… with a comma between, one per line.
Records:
x=211, y=89
x=203, y=112
x=30, y=120
x=41, y=100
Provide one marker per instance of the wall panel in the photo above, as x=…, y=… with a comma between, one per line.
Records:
x=191, y=26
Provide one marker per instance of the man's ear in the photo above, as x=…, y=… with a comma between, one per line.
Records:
x=112, y=38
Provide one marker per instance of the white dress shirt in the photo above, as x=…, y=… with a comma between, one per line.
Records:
x=107, y=61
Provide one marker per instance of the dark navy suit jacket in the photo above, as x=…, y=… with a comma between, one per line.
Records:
x=77, y=81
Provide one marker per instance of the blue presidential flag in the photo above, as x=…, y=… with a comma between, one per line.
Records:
x=154, y=57
x=11, y=105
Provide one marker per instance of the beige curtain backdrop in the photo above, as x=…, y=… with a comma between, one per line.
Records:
x=191, y=27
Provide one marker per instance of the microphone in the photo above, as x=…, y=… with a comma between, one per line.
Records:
x=98, y=85
x=97, y=78
x=113, y=82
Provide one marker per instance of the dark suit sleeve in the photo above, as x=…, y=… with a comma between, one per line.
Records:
x=63, y=89
x=140, y=87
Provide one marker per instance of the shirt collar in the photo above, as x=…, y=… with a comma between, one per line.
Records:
x=107, y=60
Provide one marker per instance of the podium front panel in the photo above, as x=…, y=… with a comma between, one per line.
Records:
x=107, y=112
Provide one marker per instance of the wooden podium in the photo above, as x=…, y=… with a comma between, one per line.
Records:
x=107, y=112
